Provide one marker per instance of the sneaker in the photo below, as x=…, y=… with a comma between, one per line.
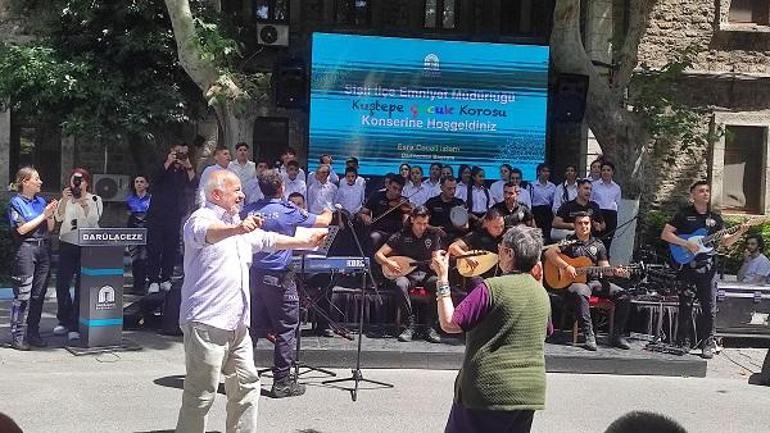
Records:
x=406, y=336
x=154, y=288
x=60, y=330
x=590, y=343
x=165, y=286
x=35, y=340
x=432, y=336
x=73, y=336
x=19, y=344
x=620, y=342
x=286, y=387
x=709, y=347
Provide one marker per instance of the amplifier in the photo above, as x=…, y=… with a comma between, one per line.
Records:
x=743, y=310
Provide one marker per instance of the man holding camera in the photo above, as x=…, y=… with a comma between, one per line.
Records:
x=173, y=179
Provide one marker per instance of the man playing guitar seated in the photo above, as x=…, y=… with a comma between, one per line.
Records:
x=440, y=208
x=417, y=241
x=379, y=214
x=485, y=238
x=513, y=212
x=564, y=220
x=593, y=248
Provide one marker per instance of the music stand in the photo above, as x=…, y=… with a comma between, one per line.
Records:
x=356, y=375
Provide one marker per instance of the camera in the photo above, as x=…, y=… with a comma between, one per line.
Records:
x=181, y=156
x=77, y=179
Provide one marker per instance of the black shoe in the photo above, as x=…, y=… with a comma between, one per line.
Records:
x=432, y=336
x=620, y=342
x=19, y=344
x=407, y=335
x=286, y=387
x=709, y=347
x=35, y=340
x=590, y=343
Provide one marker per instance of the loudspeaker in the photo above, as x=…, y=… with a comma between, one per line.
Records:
x=291, y=84
x=569, y=102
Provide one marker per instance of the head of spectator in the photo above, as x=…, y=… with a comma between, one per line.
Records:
x=435, y=172
x=596, y=168
x=262, y=165
x=418, y=220
x=478, y=176
x=755, y=244
x=223, y=188
x=494, y=223
x=416, y=175
x=322, y=173
x=242, y=152
x=28, y=182
x=298, y=199
x=352, y=162
x=644, y=422
x=505, y=172
x=448, y=188
x=446, y=171
x=271, y=183
x=520, y=249
x=464, y=173
x=351, y=174
x=292, y=169
x=393, y=187
x=570, y=174
x=222, y=156
x=325, y=159
x=404, y=170
x=608, y=171
x=584, y=191
x=543, y=172
x=140, y=185
x=288, y=155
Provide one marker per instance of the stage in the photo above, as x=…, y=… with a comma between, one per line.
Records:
x=382, y=350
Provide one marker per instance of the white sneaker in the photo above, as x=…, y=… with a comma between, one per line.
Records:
x=60, y=330
x=154, y=288
x=165, y=286
x=73, y=336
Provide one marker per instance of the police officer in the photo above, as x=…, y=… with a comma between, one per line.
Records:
x=275, y=301
x=30, y=220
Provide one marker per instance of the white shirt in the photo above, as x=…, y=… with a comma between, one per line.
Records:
x=461, y=192
x=755, y=270
x=418, y=195
x=606, y=195
x=215, y=291
x=252, y=191
x=434, y=186
x=524, y=197
x=350, y=197
x=300, y=173
x=74, y=211
x=558, y=195
x=496, y=190
x=244, y=172
x=320, y=196
x=482, y=199
x=292, y=186
x=542, y=195
x=333, y=177
x=200, y=195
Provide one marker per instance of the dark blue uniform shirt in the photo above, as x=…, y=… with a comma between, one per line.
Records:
x=22, y=210
x=138, y=205
x=282, y=217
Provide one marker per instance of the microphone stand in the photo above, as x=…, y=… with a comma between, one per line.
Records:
x=356, y=375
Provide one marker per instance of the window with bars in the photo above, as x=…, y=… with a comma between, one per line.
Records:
x=743, y=168
x=441, y=14
x=272, y=10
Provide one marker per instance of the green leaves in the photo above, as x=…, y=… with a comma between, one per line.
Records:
x=215, y=47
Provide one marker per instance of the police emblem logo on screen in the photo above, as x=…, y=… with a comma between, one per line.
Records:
x=431, y=65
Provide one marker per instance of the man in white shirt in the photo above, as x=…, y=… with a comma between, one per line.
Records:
x=325, y=159
x=350, y=193
x=215, y=309
x=416, y=190
x=292, y=182
x=251, y=188
x=221, y=162
x=567, y=190
x=289, y=155
x=606, y=193
x=542, y=200
x=242, y=167
x=517, y=177
x=320, y=194
x=756, y=267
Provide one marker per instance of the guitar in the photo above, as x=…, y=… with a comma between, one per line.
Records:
x=557, y=278
x=704, y=241
x=408, y=264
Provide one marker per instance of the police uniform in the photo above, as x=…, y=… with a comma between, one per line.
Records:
x=274, y=297
x=138, y=207
x=698, y=275
x=513, y=217
x=31, y=265
x=594, y=249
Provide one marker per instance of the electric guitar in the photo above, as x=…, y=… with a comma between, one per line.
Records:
x=557, y=278
x=706, y=242
x=407, y=264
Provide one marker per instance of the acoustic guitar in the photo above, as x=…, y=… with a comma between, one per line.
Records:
x=705, y=242
x=556, y=278
x=408, y=264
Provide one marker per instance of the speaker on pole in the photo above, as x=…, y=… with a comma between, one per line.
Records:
x=290, y=81
x=569, y=102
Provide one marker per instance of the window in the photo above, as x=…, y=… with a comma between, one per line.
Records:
x=440, y=14
x=750, y=12
x=271, y=10
x=39, y=147
x=271, y=137
x=352, y=12
x=527, y=17
x=743, y=168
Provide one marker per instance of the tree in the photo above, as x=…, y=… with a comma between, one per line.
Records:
x=210, y=59
x=639, y=114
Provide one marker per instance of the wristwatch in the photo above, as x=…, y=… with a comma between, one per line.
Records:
x=443, y=291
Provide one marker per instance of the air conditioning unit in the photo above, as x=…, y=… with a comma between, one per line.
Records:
x=273, y=34
x=112, y=187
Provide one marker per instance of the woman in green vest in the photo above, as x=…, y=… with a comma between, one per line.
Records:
x=502, y=380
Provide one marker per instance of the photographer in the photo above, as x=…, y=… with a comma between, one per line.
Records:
x=78, y=208
x=171, y=184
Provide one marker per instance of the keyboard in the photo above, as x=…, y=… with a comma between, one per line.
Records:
x=317, y=264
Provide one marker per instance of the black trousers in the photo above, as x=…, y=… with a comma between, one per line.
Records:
x=138, y=255
x=416, y=279
x=611, y=223
x=162, y=250
x=701, y=284
x=581, y=294
x=543, y=218
x=30, y=275
x=68, y=311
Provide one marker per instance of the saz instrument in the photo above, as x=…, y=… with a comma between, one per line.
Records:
x=557, y=278
x=487, y=260
x=704, y=241
x=408, y=264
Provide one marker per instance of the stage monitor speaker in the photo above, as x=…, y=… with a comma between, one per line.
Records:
x=291, y=85
x=569, y=102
